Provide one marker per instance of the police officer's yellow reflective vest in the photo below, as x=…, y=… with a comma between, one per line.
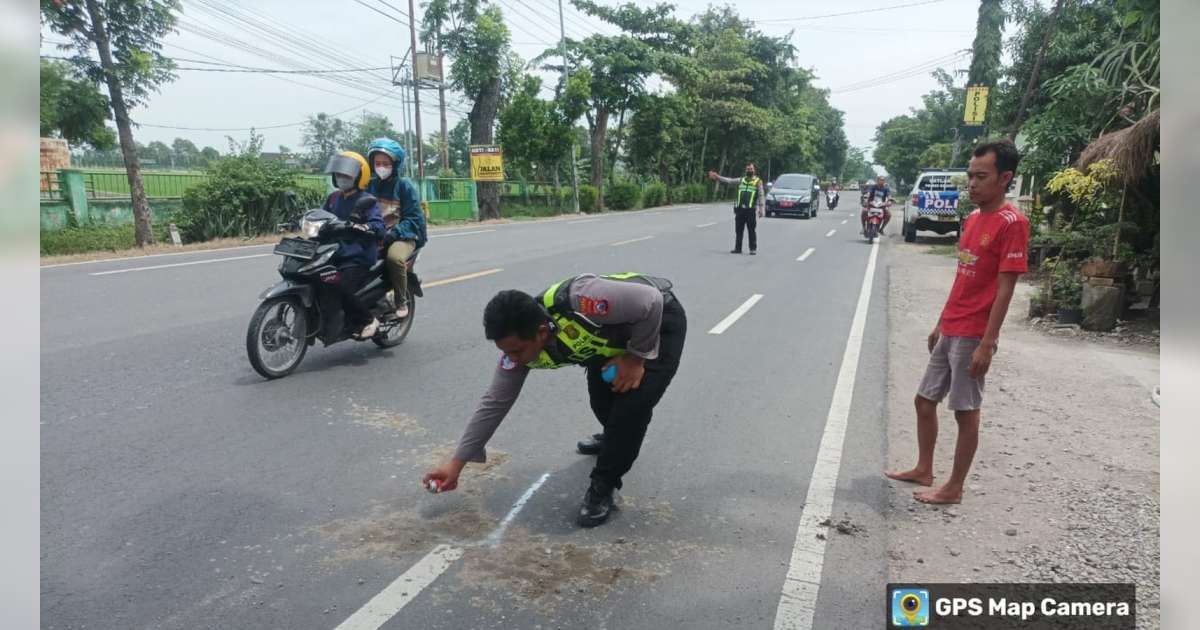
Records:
x=579, y=339
x=747, y=192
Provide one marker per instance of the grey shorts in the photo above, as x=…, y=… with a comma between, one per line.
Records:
x=948, y=374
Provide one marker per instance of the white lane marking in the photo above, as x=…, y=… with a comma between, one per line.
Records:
x=736, y=315
x=493, y=539
x=808, y=252
x=582, y=221
x=632, y=240
x=798, y=601
x=140, y=256
x=844, y=221
x=402, y=590
x=460, y=233
x=392, y=599
x=184, y=264
x=469, y=276
x=704, y=225
x=830, y=233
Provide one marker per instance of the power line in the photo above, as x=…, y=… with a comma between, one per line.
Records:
x=859, y=12
x=278, y=71
x=386, y=15
x=292, y=124
x=898, y=75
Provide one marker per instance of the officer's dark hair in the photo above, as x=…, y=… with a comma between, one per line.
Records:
x=510, y=313
x=1005, y=151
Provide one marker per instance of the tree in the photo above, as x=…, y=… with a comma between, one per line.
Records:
x=370, y=127
x=127, y=36
x=323, y=135
x=477, y=41
x=656, y=134
x=73, y=109
x=985, y=57
x=899, y=143
x=459, y=141
x=209, y=155
x=523, y=125
x=160, y=154
x=856, y=168
x=185, y=152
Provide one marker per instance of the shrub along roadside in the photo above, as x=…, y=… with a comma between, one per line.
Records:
x=79, y=240
x=243, y=196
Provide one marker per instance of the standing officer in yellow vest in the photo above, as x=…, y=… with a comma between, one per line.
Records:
x=751, y=200
x=629, y=321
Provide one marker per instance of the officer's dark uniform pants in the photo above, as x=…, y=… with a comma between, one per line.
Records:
x=626, y=416
x=744, y=218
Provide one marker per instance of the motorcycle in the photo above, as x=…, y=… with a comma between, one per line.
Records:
x=304, y=306
x=874, y=219
x=831, y=199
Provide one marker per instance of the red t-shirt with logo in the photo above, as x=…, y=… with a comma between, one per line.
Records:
x=991, y=243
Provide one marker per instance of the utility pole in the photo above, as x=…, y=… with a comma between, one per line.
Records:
x=442, y=102
x=412, y=30
x=562, y=49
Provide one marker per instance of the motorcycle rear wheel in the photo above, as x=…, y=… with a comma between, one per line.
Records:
x=277, y=337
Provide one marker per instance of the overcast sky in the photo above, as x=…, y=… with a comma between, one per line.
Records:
x=887, y=55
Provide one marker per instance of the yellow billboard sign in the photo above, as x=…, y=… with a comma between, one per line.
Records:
x=976, y=110
x=487, y=163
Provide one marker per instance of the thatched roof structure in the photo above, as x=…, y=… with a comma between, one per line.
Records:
x=1131, y=149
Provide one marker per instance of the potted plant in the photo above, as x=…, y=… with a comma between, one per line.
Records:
x=1068, y=295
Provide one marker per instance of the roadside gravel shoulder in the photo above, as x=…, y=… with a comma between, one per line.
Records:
x=1065, y=486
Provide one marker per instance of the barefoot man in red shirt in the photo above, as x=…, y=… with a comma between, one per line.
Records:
x=991, y=255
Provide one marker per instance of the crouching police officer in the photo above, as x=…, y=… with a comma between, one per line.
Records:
x=630, y=321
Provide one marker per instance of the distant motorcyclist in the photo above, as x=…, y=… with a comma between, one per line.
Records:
x=878, y=191
x=405, y=220
x=360, y=245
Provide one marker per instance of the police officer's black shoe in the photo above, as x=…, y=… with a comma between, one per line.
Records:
x=735, y=251
x=597, y=505
x=592, y=445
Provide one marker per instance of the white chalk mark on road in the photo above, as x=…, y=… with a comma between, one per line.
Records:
x=632, y=240
x=798, y=601
x=736, y=315
x=182, y=264
x=704, y=225
x=494, y=538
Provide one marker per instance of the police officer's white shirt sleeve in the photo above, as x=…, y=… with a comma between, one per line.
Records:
x=728, y=180
x=493, y=407
x=610, y=302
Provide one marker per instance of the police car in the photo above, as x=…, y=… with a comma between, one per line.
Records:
x=933, y=203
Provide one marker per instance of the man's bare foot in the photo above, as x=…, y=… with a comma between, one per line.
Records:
x=919, y=477
x=941, y=496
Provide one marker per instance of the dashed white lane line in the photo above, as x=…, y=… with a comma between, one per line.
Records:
x=736, y=315
x=808, y=252
x=460, y=233
x=830, y=233
x=632, y=240
x=798, y=601
x=844, y=221
x=391, y=600
x=182, y=264
x=704, y=225
x=468, y=276
x=402, y=590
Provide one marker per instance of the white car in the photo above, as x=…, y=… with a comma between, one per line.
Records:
x=933, y=203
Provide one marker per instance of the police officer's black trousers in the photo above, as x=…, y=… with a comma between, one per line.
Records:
x=626, y=416
x=745, y=219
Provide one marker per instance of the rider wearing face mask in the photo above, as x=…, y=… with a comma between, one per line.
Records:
x=360, y=246
x=403, y=214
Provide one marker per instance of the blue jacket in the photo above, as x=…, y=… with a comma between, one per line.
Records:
x=411, y=226
x=358, y=248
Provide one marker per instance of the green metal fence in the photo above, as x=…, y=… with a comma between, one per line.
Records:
x=449, y=199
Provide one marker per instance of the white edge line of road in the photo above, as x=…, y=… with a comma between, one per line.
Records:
x=392, y=599
x=582, y=221
x=736, y=315
x=798, y=601
x=206, y=251
x=830, y=233
x=632, y=240
x=182, y=264
x=808, y=252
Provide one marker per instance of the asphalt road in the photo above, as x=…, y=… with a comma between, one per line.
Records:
x=181, y=490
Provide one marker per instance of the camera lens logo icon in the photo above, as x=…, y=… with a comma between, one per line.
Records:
x=910, y=607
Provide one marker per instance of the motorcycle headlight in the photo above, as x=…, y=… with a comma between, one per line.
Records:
x=310, y=229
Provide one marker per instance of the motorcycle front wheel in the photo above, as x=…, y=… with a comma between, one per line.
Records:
x=871, y=232
x=276, y=339
x=389, y=337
